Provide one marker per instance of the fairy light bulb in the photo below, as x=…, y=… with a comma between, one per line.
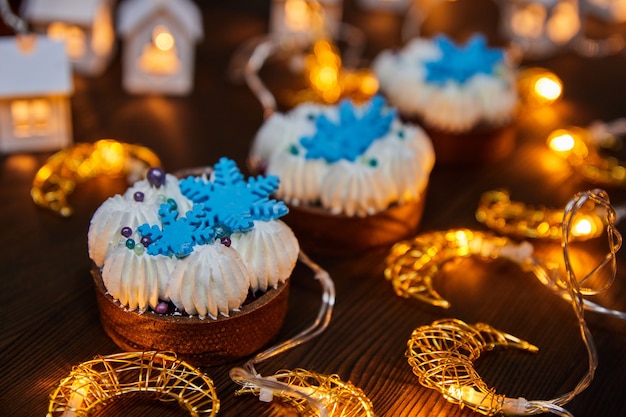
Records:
x=568, y=143
x=539, y=86
x=163, y=39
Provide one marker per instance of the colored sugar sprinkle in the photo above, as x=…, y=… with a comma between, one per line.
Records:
x=460, y=63
x=138, y=196
x=126, y=231
x=226, y=204
x=352, y=135
x=156, y=177
x=130, y=243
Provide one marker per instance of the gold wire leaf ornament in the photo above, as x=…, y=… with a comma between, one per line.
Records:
x=97, y=382
x=58, y=177
x=441, y=354
x=310, y=393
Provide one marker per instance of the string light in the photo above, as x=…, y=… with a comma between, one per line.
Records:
x=412, y=265
x=310, y=393
x=539, y=86
x=442, y=354
x=95, y=383
x=583, y=149
x=512, y=218
x=58, y=177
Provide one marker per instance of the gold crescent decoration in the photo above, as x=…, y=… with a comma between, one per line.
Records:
x=512, y=218
x=441, y=355
x=58, y=177
x=584, y=149
x=96, y=382
x=308, y=392
x=341, y=399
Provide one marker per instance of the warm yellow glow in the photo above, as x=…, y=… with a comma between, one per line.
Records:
x=163, y=39
x=561, y=141
x=73, y=36
x=548, y=88
x=539, y=86
x=297, y=15
x=160, y=55
x=582, y=227
x=30, y=117
x=103, y=34
x=564, y=23
x=528, y=20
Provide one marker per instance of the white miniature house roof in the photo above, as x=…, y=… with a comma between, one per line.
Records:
x=133, y=13
x=78, y=12
x=43, y=70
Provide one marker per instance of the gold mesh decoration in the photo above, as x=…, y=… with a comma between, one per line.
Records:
x=342, y=398
x=310, y=393
x=442, y=356
x=513, y=218
x=585, y=150
x=58, y=177
x=412, y=265
x=96, y=382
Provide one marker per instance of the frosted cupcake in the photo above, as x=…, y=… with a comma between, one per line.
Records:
x=198, y=266
x=465, y=96
x=354, y=176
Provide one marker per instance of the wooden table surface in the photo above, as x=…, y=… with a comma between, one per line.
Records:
x=49, y=319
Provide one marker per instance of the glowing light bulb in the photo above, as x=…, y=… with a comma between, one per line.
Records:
x=539, y=86
x=561, y=141
x=163, y=39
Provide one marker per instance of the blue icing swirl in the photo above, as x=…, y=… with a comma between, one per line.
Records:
x=460, y=63
x=352, y=135
x=227, y=204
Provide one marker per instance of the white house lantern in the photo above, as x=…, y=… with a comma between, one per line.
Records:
x=540, y=27
x=35, y=89
x=86, y=26
x=159, y=39
x=310, y=19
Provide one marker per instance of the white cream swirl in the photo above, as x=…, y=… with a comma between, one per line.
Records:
x=270, y=251
x=213, y=280
x=136, y=281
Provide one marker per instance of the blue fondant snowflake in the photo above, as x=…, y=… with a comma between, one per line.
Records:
x=232, y=202
x=178, y=235
x=352, y=135
x=460, y=63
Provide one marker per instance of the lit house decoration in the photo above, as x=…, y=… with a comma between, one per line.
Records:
x=86, y=26
x=35, y=85
x=540, y=27
x=307, y=18
x=159, y=38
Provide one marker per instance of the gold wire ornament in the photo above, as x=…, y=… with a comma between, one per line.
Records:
x=97, y=382
x=513, y=218
x=412, y=265
x=442, y=354
x=585, y=151
x=310, y=393
x=58, y=177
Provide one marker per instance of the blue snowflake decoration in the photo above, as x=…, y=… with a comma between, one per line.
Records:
x=460, y=63
x=178, y=235
x=232, y=203
x=352, y=135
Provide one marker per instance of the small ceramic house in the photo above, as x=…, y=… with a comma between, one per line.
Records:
x=35, y=86
x=307, y=18
x=159, y=38
x=85, y=25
